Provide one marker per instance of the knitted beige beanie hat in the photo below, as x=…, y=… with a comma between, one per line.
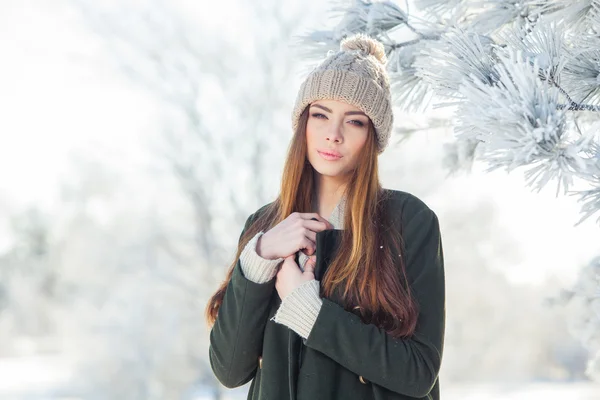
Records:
x=355, y=74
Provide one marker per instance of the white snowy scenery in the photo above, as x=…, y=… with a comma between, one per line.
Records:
x=137, y=136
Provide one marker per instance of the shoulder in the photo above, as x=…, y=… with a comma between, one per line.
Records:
x=265, y=209
x=406, y=208
x=420, y=230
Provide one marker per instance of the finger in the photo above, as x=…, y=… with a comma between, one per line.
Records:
x=289, y=263
x=310, y=235
x=310, y=216
x=309, y=252
x=309, y=272
x=316, y=226
x=309, y=266
x=326, y=222
x=308, y=247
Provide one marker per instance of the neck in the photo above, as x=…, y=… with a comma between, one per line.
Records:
x=329, y=191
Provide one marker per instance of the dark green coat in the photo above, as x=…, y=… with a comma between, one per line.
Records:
x=343, y=358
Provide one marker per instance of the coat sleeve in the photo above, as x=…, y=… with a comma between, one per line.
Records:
x=236, y=337
x=406, y=366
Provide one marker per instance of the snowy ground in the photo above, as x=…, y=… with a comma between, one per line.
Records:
x=545, y=391
x=33, y=378
x=533, y=391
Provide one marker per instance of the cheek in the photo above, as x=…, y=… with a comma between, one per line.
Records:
x=357, y=144
x=311, y=133
x=309, y=137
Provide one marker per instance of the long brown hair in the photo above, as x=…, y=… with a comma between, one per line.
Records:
x=371, y=276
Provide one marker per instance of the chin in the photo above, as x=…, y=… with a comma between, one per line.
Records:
x=328, y=170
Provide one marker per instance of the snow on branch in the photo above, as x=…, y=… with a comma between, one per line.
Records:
x=518, y=74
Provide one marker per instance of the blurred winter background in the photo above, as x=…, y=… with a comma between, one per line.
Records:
x=137, y=136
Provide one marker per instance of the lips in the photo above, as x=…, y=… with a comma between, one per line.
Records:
x=330, y=155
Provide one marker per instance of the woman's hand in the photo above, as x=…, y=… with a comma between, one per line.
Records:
x=290, y=276
x=297, y=232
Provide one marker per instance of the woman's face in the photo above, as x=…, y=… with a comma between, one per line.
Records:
x=336, y=132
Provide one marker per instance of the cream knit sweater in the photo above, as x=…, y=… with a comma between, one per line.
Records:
x=299, y=309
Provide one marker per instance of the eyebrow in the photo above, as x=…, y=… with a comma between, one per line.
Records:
x=346, y=113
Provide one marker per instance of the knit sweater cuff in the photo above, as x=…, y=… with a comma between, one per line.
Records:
x=254, y=267
x=299, y=309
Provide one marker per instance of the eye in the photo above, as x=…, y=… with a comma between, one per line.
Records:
x=318, y=115
x=357, y=122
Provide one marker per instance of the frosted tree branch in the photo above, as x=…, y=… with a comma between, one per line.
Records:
x=464, y=54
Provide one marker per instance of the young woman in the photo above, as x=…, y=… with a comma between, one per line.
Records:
x=337, y=290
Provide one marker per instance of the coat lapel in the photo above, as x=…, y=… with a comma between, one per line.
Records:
x=327, y=242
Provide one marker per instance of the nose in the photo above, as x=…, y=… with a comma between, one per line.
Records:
x=335, y=134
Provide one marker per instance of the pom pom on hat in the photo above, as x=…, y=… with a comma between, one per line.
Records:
x=366, y=44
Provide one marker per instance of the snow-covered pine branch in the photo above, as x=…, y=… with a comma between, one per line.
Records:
x=519, y=75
